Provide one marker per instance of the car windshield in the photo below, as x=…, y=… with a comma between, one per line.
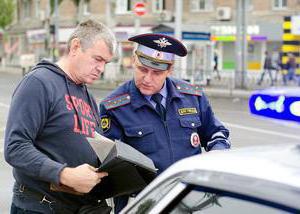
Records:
x=155, y=196
x=191, y=193
x=200, y=201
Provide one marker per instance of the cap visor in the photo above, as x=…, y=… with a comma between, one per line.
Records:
x=152, y=64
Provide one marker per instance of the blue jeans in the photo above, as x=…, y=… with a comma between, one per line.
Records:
x=289, y=76
x=17, y=210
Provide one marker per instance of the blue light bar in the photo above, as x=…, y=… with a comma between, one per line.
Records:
x=277, y=103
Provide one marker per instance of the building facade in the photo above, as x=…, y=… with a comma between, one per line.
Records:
x=31, y=31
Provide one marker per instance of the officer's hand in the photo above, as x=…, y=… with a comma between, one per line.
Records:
x=82, y=178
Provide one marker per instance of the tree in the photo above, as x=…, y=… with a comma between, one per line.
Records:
x=7, y=8
x=78, y=4
x=52, y=5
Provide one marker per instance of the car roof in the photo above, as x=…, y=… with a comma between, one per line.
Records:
x=277, y=163
x=271, y=172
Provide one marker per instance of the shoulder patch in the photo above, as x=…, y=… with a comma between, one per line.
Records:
x=116, y=102
x=186, y=88
x=105, y=123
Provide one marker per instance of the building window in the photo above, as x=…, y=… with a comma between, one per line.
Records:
x=279, y=4
x=123, y=6
x=158, y=6
x=201, y=5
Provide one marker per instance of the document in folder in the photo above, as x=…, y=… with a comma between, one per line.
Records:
x=129, y=170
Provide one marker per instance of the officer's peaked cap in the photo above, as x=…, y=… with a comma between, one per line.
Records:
x=157, y=50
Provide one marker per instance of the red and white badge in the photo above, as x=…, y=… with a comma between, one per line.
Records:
x=195, y=139
x=158, y=55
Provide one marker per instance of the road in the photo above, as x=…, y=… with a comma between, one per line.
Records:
x=246, y=130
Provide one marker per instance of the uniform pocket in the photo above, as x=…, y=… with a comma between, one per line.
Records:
x=141, y=138
x=189, y=127
x=138, y=131
x=190, y=122
x=182, y=137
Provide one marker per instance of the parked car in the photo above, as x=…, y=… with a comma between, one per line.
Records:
x=280, y=103
x=261, y=179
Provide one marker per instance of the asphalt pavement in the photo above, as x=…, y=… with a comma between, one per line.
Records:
x=229, y=105
x=216, y=88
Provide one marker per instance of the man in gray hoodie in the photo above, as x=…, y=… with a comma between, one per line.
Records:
x=51, y=114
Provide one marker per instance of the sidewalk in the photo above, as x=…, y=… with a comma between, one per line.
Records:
x=218, y=88
x=212, y=91
x=223, y=88
x=11, y=69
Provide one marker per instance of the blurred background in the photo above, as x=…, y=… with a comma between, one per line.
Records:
x=226, y=39
x=234, y=47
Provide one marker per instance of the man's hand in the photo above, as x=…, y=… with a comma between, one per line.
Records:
x=82, y=178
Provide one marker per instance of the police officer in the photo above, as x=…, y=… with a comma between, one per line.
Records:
x=165, y=118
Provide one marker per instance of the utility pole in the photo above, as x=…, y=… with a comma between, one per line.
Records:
x=108, y=15
x=137, y=25
x=47, y=30
x=56, y=33
x=79, y=11
x=139, y=10
x=241, y=45
x=178, y=35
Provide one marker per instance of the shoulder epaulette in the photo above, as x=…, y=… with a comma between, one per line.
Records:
x=186, y=88
x=115, y=102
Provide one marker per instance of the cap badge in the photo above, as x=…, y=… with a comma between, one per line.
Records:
x=162, y=42
x=158, y=55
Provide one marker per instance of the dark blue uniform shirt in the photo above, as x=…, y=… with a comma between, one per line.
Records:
x=128, y=116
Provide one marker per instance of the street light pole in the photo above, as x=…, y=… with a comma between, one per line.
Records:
x=241, y=45
x=56, y=33
x=108, y=16
x=137, y=25
x=47, y=30
x=178, y=34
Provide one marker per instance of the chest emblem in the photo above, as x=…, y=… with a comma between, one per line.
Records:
x=195, y=139
x=187, y=111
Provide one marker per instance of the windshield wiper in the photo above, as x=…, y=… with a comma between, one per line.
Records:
x=209, y=201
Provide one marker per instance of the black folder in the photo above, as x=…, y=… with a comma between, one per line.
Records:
x=129, y=171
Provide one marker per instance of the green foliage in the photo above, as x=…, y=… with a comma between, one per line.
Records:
x=52, y=4
x=76, y=2
x=7, y=8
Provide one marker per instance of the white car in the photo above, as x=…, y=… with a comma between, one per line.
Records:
x=263, y=179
